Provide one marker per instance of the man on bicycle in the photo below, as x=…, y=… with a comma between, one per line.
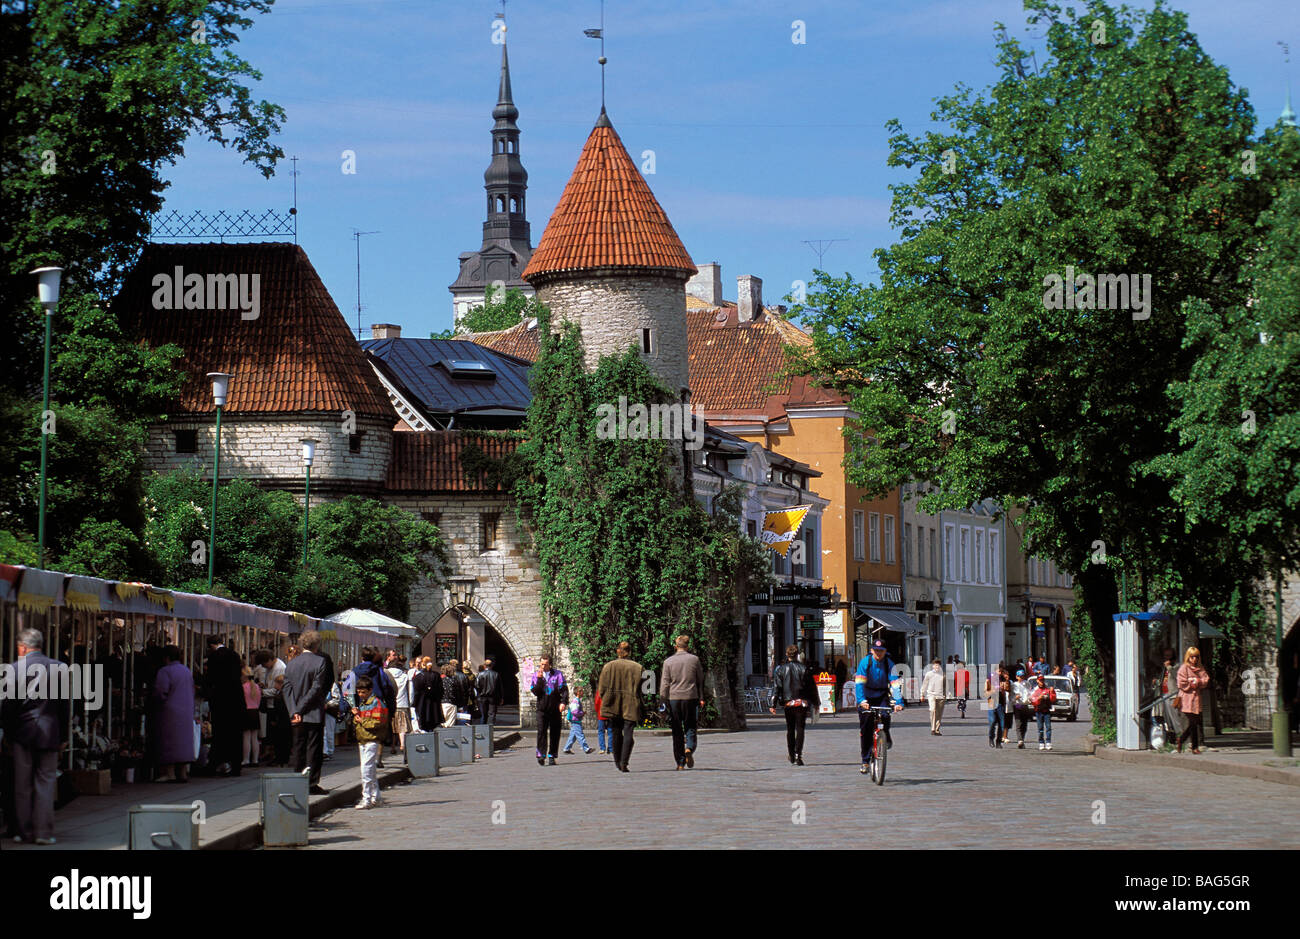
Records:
x=873, y=687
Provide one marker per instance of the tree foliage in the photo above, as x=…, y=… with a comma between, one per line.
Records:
x=498, y=311
x=624, y=553
x=1123, y=156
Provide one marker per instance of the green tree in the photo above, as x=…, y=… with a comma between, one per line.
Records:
x=624, y=553
x=1122, y=154
x=98, y=99
x=495, y=313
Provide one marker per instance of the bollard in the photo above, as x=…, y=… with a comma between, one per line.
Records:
x=449, y=752
x=482, y=740
x=422, y=754
x=162, y=828
x=466, y=743
x=284, y=806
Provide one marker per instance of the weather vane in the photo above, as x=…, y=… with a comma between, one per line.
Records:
x=600, y=34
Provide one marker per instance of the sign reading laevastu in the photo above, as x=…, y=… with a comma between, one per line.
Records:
x=781, y=527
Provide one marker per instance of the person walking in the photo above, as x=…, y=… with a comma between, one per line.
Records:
x=619, y=687
x=402, y=702
x=35, y=728
x=575, y=715
x=223, y=689
x=993, y=701
x=1008, y=700
x=1042, y=698
x=490, y=693
x=428, y=696
x=249, y=755
x=682, y=686
x=1193, y=679
x=793, y=690
x=370, y=718
x=552, y=694
x=1021, y=708
x=173, y=697
x=961, y=677
x=604, y=735
x=305, y=689
x=932, y=691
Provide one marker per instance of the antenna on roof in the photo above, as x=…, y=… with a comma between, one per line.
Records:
x=821, y=247
x=294, y=211
x=600, y=34
x=356, y=236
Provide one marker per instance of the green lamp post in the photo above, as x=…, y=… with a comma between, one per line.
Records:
x=220, y=386
x=308, y=457
x=47, y=291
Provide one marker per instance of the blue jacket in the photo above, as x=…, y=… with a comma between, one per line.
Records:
x=381, y=681
x=875, y=677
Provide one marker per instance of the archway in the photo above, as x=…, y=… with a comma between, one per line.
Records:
x=473, y=630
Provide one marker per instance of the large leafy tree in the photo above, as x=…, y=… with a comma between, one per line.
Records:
x=1121, y=152
x=98, y=99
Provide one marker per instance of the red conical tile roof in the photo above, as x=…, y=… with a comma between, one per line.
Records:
x=607, y=217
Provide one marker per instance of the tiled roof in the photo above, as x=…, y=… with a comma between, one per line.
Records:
x=430, y=461
x=296, y=355
x=731, y=364
x=607, y=217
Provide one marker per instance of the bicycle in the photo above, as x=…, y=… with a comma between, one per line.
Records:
x=879, y=756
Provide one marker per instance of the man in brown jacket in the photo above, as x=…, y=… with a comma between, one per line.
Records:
x=681, y=688
x=619, y=688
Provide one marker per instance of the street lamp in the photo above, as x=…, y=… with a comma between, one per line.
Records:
x=308, y=456
x=220, y=385
x=47, y=291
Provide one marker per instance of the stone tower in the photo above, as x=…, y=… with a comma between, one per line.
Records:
x=610, y=262
x=507, y=240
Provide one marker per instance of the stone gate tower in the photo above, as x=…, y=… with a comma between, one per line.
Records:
x=611, y=263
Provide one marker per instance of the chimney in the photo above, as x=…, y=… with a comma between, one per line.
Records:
x=750, y=297
x=385, y=331
x=707, y=284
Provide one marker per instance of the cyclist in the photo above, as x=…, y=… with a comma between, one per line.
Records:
x=873, y=687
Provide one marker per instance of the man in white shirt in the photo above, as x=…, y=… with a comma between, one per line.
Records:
x=932, y=690
x=269, y=667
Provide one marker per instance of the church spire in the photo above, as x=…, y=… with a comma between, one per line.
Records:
x=1288, y=113
x=505, y=109
x=506, y=180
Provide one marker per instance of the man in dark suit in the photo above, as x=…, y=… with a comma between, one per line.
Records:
x=306, y=685
x=223, y=687
x=488, y=688
x=35, y=726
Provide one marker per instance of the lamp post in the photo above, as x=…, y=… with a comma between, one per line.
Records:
x=220, y=385
x=308, y=456
x=47, y=291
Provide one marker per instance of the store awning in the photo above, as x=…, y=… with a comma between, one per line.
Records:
x=895, y=621
x=373, y=622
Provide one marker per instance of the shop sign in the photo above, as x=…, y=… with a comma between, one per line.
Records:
x=874, y=593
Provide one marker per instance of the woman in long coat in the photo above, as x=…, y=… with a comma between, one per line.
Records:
x=173, y=694
x=1193, y=679
x=427, y=686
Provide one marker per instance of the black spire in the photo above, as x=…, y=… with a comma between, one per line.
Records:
x=506, y=180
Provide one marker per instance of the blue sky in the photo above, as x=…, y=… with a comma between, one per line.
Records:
x=759, y=143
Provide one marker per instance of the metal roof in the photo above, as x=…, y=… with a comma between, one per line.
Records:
x=421, y=368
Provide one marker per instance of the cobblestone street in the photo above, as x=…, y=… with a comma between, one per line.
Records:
x=940, y=792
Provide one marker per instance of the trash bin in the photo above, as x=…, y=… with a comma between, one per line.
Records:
x=449, y=747
x=422, y=754
x=162, y=828
x=284, y=809
x=482, y=740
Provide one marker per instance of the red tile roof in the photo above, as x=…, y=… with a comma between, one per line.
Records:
x=607, y=217
x=297, y=355
x=731, y=364
x=430, y=461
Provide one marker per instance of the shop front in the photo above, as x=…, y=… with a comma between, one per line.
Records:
x=878, y=614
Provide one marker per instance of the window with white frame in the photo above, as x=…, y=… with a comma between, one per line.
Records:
x=949, y=559
x=909, y=558
x=873, y=532
x=979, y=556
x=859, y=548
x=889, y=539
x=963, y=556
x=995, y=558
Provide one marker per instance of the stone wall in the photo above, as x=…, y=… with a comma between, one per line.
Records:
x=267, y=448
x=612, y=311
